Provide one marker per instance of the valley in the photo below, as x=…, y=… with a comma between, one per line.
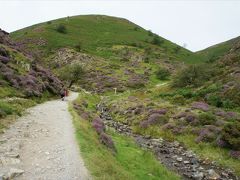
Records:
x=138, y=93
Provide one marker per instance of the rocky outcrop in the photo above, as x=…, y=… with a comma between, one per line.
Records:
x=173, y=155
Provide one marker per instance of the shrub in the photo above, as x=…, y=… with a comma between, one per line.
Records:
x=229, y=104
x=178, y=99
x=61, y=29
x=154, y=119
x=146, y=59
x=49, y=22
x=136, y=28
x=205, y=135
x=158, y=111
x=78, y=47
x=177, y=49
x=157, y=41
x=72, y=73
x=207, y=118
x=201, y=106
x=163, y=73
x=150, y=33
x=98, y=125
x=5, y=109
x=231, y=134
x=193, y=76
x=107, y=141
x=214, y=100
x=235, y=154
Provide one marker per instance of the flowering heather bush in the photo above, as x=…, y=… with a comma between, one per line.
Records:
x=98, y=125
x=190, y=118
x=220, y=123
x=231, y=115
x=4, y=60
x=180, y=115
x=235, y=154
x=221, y=143
x=85, y=115
x=207, y=134
x=158, y=111
x=154, y=119
x=107, y=141
x=201, y=106
x=220, y=113
x=168, y=126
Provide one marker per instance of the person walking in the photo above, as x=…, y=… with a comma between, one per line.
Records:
x=62, y=94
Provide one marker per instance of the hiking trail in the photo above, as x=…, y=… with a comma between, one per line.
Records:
x=42, y=145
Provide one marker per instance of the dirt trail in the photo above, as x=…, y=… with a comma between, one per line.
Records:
x=42, y=145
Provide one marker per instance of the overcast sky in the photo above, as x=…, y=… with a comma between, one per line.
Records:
x=197, y=23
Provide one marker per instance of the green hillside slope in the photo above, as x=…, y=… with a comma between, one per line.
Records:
x=116, y=52
x=215, y=52
x=94, y=33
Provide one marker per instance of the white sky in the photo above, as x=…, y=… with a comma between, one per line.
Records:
x=197, y=23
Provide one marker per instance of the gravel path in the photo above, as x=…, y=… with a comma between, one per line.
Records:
x=42, y=145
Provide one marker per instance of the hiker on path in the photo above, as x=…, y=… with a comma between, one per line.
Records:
x=63, y=94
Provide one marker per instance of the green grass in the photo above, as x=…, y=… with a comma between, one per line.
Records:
x=207, y=150
x=96, y=34
x=214, y=52
x=126, y=163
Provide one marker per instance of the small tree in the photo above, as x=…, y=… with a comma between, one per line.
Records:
x=72, y=73
x=157, y=41
x=61, y=29
x=78, y=47
x=194, y=75
x=150, y=33
x=163, y=73
x=177, y=49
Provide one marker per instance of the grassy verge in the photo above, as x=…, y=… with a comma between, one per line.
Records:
x=130, y=162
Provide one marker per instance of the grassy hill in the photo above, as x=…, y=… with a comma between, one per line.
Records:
x=117, y=49
x=215, y=52
x=94, y=33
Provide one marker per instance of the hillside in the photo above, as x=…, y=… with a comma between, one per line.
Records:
x=23, y=82
x=94, y=33
x=182, y=106
x=215, y=52
x=116, y=53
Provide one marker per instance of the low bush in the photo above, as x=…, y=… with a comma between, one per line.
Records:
x=200, y=105
x=154, y=119
x=98, y=125
x=214, y=100
x=163, y=73
x=5, y=109
x=61, y=29
x=178, y=99
x=207, y=118
x=157, y=41
x=107, y=141
x=193, y=76
x=231, y=135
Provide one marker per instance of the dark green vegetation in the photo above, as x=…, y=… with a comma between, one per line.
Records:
x=162, y=89
x=125, y=163
x=72, y=74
